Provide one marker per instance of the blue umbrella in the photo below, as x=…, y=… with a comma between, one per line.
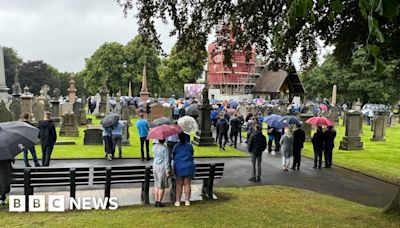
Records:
x=270, y=119
x=290, y=120
x=233, y=103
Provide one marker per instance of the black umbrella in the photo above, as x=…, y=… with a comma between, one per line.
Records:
x=14, y=137
x=192, y=110
x=110, y=120
x=290, y=120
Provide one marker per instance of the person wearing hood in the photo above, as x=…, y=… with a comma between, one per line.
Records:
x=48, y=137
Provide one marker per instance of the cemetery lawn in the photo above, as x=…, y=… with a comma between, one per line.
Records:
x=263, y=206
x=379, y=159
x=133, y=151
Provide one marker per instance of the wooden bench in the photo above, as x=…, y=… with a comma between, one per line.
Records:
x=206, y=172
x=30, y=178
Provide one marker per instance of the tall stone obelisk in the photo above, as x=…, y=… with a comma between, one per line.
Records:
x=3, y=87
x=144, y=92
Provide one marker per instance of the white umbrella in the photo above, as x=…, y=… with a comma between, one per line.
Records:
x=188, y=124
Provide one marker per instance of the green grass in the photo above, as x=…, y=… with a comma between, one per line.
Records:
x=380, y=159
x=265, y=206
x=85, y=151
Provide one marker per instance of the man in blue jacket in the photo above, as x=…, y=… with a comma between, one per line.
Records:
x=143, y=128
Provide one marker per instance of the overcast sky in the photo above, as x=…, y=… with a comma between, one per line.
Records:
x=65, y=32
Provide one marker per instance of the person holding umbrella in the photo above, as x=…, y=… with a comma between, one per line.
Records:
x=143, y=128
x=48, y=137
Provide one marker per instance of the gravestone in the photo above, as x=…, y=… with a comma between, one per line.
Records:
x=118, y=107
x=333, y=114
x=379, y=129
x=72, y=90
x=125, y=134
x=69, y=125
x=15, y=108
x=167, y=112
x=93, y=136
x=103, y=102
x=82, y=116
x=75, y=108
x=157, y=111
x=26, y=101
x=394, y=120
x=305, y=126
x=125, y=115
x=5, y=114
x=38, y=111
x=352, y=139
x=97, y=101
x=132, y=111
x=55, y=106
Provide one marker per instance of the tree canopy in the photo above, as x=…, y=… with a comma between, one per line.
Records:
x=11, y=62
x=116, y=65
x=357, y=80
x=279, y=27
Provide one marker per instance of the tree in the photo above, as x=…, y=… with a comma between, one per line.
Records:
x=116, y=65
x=11, y=62
x=37, y=73
x=138, y=54
x=106, y=65
x=279, y=27
x=353, y=81
x=184, y=66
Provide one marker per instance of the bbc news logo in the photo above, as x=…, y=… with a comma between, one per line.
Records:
x=56, y=203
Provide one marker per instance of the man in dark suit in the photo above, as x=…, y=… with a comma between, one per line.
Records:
x=235, y=128
x=257, y=144
x=298, y=142
x=48, y=137
x=329, y=139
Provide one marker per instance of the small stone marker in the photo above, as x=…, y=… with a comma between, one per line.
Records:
x=69, y=125
x=352, y=139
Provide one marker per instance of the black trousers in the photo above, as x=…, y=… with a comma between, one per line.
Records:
x=328, y=157
x=143, y=140
x=223, y=135
x=108, y=145
x=170, y=146
x=296, y=157
x=240, y=134
x=270, y=145
x=317, y=158
x=234, y=136
x=46, y=155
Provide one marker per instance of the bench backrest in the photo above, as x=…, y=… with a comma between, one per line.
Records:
x=203, y=171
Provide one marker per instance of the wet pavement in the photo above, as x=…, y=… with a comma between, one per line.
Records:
x=336, y=181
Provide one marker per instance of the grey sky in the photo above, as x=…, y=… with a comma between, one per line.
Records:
x=65, y=32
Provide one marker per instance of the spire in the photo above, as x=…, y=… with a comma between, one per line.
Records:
x=144, y=92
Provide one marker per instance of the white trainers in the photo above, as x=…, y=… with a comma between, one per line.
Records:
x=187, y=203
x=177, y=204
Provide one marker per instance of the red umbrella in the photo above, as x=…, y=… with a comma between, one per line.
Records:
x=323, y=107
x=319, y=120
x=163, y=131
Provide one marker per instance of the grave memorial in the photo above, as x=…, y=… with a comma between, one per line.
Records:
x=352, y=139
x=69, y=125
x=3, y=87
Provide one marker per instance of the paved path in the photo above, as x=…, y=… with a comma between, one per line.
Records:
x=336, y=181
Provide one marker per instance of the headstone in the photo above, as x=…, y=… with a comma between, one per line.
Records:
x=5, y=114
x=167, y=112
x=69, y=125
x=352, y=139
x=378, y=128
x=75, y=108
x=108, y=104
x=357, y=105
x=72, y=90
x=93, y=136
x=125, y=115
x=82, y=116
x=305, y=126
x=3, y=86
x=394, y=120
x=118, y=107
x=16, y=88
x=26, y=101
x=15, y=108
x=103, y=102
x=55, y=106
x=38, y=111
x=125, y=134
x=98, y=100
x=333, y=114
x=41, y=97
x=157, y=111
